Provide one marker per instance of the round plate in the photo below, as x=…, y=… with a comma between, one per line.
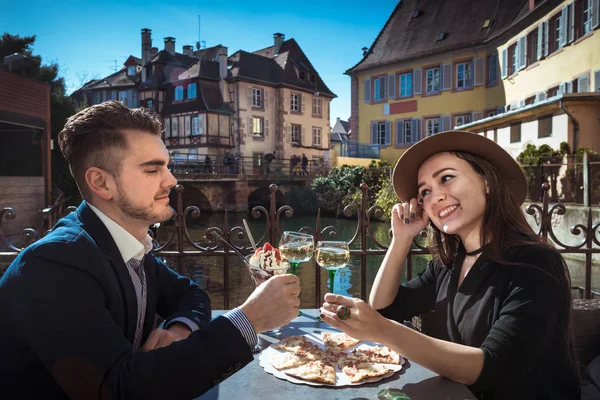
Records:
x=341, y=378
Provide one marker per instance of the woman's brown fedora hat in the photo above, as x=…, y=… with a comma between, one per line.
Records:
x=407, y=167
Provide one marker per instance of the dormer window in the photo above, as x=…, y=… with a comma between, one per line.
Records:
x=302, y=76
x=441, y=36
x=191, y=91
x=179, y=93
x=416, y=13
x=131, y=71
x=312, y=78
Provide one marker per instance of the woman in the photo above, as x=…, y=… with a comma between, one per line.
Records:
x=501, y=295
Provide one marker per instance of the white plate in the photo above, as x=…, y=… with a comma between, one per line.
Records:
x=341, y=378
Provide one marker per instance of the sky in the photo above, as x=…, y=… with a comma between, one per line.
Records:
x=86, y=38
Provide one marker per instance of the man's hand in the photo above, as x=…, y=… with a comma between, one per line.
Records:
x=273, y=303
x=162, y=338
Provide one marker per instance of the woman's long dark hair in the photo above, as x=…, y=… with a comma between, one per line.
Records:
x=504, y=226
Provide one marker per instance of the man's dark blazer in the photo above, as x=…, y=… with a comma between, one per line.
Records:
x=68, y=314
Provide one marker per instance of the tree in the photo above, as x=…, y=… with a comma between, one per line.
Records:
x=540, y=163
x=61, y=106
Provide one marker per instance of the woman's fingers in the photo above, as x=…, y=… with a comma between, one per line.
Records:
x=336, y=299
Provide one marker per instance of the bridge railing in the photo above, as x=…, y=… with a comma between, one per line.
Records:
x=198, y=164
x=179, y=247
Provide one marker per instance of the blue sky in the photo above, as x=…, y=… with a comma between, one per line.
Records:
x=86, y=37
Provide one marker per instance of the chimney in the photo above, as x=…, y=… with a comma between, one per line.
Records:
x=365, y=51
x=170, y=45
x=279, y=38
x=146, y=46
x=222, y=59
x=531, y=4
x=188, y=50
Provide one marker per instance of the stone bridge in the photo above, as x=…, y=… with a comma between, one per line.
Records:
x=234, y=193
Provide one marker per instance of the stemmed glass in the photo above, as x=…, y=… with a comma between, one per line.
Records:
x=259, y=276
x=296, y=247
x=332, y=255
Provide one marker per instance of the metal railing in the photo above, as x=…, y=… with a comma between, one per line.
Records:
x=250, y=166
x=179, y=245
x=359, y=149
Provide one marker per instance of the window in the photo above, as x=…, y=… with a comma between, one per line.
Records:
x=405, y=83
x=167, y=127
x=113, y=95
x=380, y=138
x=131, y=70
x=179, y=93
x=257, y=127
x=554, y=33
x=463, y=75
x=257, y=160
x=515, y=133
x=123, y=97
x=191, y=91
x=149, y=73
x=174, y=127
x=586, y=6
x=545, y=127
x=491, y=114
x=529, y=100
x=295, y=102
x=302, y=75
x=149, y=104
x=493, y=69
x=552, y=92
x=257, y=98
x=407, y=131
x=432, y=125
x=316, y=134
x=462, y=119
x=380, y=88
x=514, y=56
x=296, y=132
x=581, y=84
x=193, y=154
x=312, y=78
x=198, y=125
x=317, y=106
x=433, y=80
x=532, y=46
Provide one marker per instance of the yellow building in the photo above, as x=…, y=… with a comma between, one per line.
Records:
x=434, y=67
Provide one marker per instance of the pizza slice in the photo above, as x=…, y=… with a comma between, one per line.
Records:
x=314, y=371
x=338, y=342
x=298, y=344
x=376, y=354
x=289, y=360
x=361, y=371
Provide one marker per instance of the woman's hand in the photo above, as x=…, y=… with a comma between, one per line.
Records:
x=364, y=322
x=408, y=220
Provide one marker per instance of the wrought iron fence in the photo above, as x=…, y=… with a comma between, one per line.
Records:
x=180, y=246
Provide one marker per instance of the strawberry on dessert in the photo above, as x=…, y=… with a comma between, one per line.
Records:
x=267, y=258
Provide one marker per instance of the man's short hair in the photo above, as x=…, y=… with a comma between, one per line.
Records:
x=94, y=138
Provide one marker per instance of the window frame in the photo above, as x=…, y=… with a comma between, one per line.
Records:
x=192, y=90
x=298, y=97
x=407, y=123
x=261, y=127
x=587, y=10
x=467, y=80
x=258, y=99
x=381, y=83
x=465, y=117
x=439, y=83
x=399, y=80
x=298, y=128
x=317, y=106
x=178, y=90
x=318, y=131
x=381, y=124
x=129, y=69
x=432, y=119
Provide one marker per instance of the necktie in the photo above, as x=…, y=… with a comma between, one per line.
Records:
x=138, y=277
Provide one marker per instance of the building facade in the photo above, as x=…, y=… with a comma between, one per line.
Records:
x=434, y=67
x=244, y=105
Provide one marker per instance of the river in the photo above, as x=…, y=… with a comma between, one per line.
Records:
x=208, y=271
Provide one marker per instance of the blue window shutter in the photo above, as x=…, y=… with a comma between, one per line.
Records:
x=399, y=131
x=504, y=63
x=478, y=71
x=374, y=133
x=391, y=86
x=447, y=76
x=563, y=32
x=367, y=98
x=595, y=13
x=571, y=22
x=388, y=132
x=540, y=42
x=445, y=123
x=418, y=81
x=597, y=81
x=522, y=52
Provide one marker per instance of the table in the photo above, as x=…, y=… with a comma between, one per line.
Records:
x=252, y=382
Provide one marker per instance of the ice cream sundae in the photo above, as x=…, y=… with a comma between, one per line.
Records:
x=267, y=262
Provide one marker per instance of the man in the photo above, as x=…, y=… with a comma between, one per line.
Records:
x=77, y=307
x=269, y=157
x=304, y=164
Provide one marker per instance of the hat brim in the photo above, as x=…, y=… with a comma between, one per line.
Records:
x=406, y=169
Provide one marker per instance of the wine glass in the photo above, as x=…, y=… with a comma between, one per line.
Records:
x=259, y=276
x=332, y=255
x=296, y=247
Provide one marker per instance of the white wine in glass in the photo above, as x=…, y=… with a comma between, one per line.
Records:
x=332, y=255
x=296, y=247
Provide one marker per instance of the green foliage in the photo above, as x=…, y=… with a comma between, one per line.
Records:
x=61, y=106
x=301, y=199
x=386, y=199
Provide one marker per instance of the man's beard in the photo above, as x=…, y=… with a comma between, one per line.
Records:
x=131, y=210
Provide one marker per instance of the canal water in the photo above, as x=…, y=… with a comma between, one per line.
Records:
x=208, y=271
